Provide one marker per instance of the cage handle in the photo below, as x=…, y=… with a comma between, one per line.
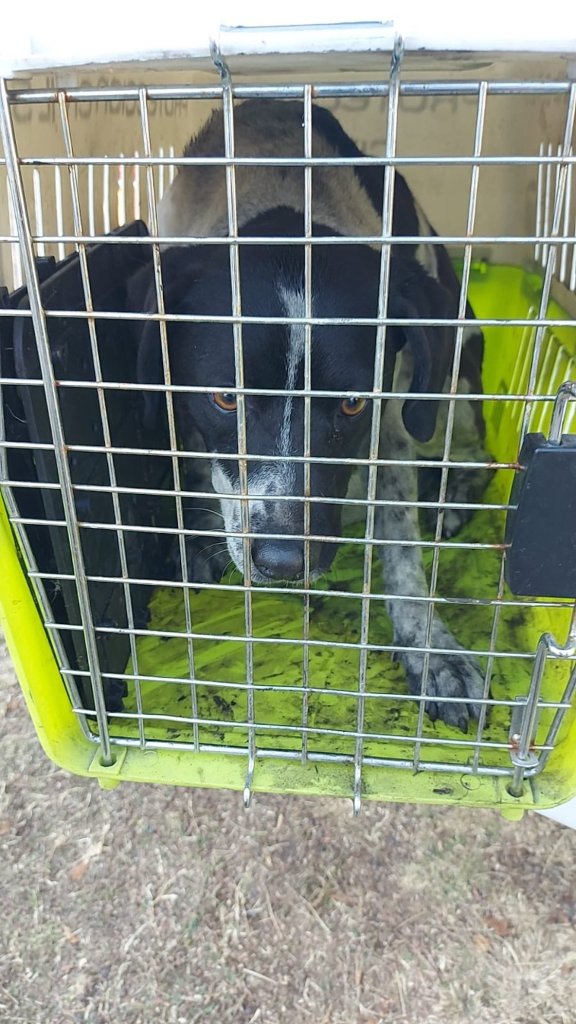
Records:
x=565, y=393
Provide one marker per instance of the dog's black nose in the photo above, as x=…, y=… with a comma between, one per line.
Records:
x=279, y=559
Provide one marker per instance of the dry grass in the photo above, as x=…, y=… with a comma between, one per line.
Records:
x=154, y=905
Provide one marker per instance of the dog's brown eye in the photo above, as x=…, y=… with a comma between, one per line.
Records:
x=353, y=406
x=225, y=400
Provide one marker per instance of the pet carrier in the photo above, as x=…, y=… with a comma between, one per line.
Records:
x=143, y=601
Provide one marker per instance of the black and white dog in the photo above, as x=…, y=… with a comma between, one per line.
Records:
x=346, y=201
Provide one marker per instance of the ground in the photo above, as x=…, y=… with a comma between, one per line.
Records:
x=149, y=905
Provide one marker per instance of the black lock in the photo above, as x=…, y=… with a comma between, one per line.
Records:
x=541, y=525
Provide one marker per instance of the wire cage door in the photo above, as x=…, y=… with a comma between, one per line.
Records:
x=159, y=670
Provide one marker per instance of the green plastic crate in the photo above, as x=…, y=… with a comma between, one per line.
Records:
x=451, y=768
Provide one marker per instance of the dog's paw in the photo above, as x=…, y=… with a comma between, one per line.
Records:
x=455, y=675
x=114, y=692
x=454, y=520
x=464, y=487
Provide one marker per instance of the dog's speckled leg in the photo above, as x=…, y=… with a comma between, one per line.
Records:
x=449, y=675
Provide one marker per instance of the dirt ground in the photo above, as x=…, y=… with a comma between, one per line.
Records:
x=150, y=905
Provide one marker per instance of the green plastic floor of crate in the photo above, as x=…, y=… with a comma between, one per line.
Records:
x=330, y=704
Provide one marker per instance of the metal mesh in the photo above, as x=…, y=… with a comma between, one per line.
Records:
x=294, y=680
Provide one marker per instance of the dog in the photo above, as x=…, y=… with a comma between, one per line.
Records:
x=347, y=202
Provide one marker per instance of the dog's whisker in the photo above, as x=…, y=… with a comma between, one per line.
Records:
x=215, y=554
x=218, y=544
x=201, y=508
x=228, y=569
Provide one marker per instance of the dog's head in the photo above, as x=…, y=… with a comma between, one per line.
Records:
x=345, y=285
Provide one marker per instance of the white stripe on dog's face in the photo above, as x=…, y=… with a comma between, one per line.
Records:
x=268, y=478
x=294, y=304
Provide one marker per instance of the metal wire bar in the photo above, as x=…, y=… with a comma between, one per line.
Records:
x=318, y=592
x=252, y=535
x=136, y=190
x=563, y=704
x=385, y=259
x=323, y=757
x=345, y=645
x=91, y=203
x=59, y=214
x=295, y=688
x=44, y=355
x=325, y=460
x=551, y=253
x=244, y=239
x=315, y=730
x=38, y=210
x=294, y=91
x=314, y=499
x=539, y=203
x=440, y=396
x=229, y=149
x=14, y=251
x=307, y=125
x=455, y=375
x=572, y=281
x=555, y=171
x=95, y=353
x=121, y=192
x=505, y=160
x=463, y=741
x=105, y=197
x=153, y=217
x=238, y=724
x=548, y=180
x=314, y=321
x=566, y=224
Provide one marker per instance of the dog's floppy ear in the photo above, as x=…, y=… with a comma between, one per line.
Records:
x=141, y=298
x=414, y=295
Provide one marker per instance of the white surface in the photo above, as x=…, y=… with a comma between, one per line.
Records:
x=565, y=813
x=64, y=33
